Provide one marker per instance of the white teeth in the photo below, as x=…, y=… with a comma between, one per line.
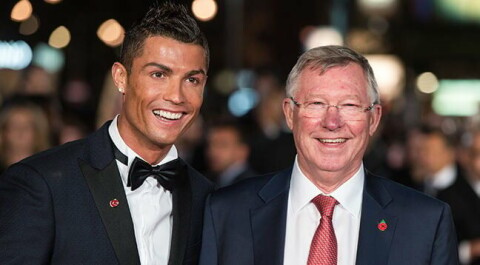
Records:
x=167, y=114
x=333, y=141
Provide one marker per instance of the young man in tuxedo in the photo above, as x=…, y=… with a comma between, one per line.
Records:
x=121, y=195
x=327, y=209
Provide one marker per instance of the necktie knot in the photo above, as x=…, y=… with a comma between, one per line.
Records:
x=323, y=249
x=325, y=204
x=141, y=170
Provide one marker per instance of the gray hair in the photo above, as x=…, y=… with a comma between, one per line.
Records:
x=326, y=57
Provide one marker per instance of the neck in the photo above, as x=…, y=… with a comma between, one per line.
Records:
x=327, y=181
x=148, y=150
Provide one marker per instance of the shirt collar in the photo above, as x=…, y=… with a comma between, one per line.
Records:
x=123, y=147
x=476, y=187
x=444, y=178
x=349, y=195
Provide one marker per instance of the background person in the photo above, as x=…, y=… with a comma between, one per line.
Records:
x=227, y=154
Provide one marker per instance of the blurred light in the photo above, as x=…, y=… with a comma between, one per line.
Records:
x=364, y=41
x=321, y=36
x=21, y=11
x=111, y=33
x=50, y=59
x=59, y=38
x=427, y=83
x=204, y=10
x=245, y=78
x=224, y=81
x=378, y=7
x=390, y=75
x=457, y=98
x=459, y=10
x=15, y=55
x=53, y=1
x=242, y=101
x=29, y=26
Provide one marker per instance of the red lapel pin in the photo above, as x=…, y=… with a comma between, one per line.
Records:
x=114, y=203
x=382, y=226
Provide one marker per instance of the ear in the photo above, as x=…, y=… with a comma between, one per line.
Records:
x=288, y=112
x=375, y=118
x=119, y=75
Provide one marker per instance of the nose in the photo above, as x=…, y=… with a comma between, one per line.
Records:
x=174, y=93
x=332, y=119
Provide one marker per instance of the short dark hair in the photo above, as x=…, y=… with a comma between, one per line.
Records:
x=167, y=20
x=233, y=125
x=450, y=139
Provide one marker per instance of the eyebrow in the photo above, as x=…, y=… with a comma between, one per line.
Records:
x=169, y=70
x=196, y=72
x=161, y=66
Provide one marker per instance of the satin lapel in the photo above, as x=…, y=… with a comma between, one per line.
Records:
x=107, y=188
x=374, y=239
x=269, y=221
x=182, y=208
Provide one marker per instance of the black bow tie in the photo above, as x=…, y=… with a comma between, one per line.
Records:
x=165, y=174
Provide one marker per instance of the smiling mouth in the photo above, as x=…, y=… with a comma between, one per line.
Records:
x=168, y=115
x=333, y=141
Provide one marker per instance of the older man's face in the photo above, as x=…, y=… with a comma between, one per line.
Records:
x=332, y=141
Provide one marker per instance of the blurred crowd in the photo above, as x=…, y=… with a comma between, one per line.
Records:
x=437, y=155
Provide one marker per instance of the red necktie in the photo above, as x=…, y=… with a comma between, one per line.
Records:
x=323, y=250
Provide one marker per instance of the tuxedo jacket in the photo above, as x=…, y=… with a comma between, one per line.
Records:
x=465, y=205
x=55, y=208
x=245, y=225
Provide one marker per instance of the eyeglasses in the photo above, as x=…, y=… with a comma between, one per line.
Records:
x=316, y=109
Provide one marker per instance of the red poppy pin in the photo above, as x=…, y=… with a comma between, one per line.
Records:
x=114, y=203
x=382, y=226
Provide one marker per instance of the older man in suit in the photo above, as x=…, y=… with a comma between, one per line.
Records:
x=121, y=195
x=327, y=209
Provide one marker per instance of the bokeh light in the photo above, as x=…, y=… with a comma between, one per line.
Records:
x=59, y=38
x=378, y=7
x=21, y=11
x=29, y=26
x=459, y=97
x=15, y=55
x=53, y=2
x=50, y=59
x=242, y=101
x=321, y=36
x=224, y=82
x=390, y=74
x=204, y=10
x=427, y=83
x=111, y=33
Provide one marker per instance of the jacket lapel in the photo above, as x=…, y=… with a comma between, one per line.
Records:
x=102, y=176
x=374, y=239
x=269, y=221
x=182, y=206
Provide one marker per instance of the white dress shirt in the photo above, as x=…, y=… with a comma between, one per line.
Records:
x=441, y=180
x=303, y=217
x=150, y=206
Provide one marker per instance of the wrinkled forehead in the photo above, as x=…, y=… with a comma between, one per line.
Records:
x=349, y=80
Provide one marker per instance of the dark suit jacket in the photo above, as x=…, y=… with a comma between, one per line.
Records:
x=245, y=224
x=465, y=205
x=55, y=209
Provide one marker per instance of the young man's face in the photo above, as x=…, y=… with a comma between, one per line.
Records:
x=163, y=92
